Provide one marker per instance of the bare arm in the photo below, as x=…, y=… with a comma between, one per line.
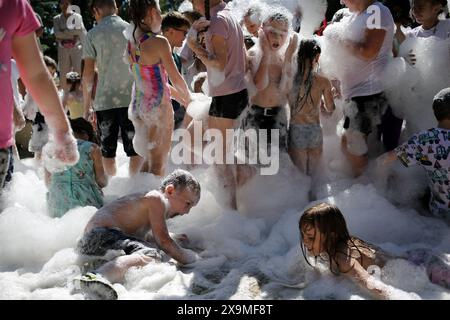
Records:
x=88, y=83
x=100, y=176
x=370, y=47
x=175, y=77
x=39, y=82
x=387, y=158
x=328, y=96
x=261, y=77
x=161, y=234
x=351, y=268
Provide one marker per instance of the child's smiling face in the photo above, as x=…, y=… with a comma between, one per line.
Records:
x=423, y=10
x=276, y=32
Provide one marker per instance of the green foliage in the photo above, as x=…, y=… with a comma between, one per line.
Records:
x=48, y=9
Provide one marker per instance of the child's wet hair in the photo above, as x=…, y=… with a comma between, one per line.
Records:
x=441, y=105
x=254, y=14
x=329, y=221
x=174, y=20
x=82, y=126
x=307, y=52
x=181, y=180
x=138, y=11
x=277, y=17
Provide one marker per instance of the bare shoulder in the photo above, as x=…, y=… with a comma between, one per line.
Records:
x=323, y=81
x=155, y=202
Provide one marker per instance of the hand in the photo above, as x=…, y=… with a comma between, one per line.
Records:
x=293, y=42
x=263, y=41
x=336, y=93
x=182, y=239
x=411, y=58
x=66, y=148
x=200, y=24
x=19, y=120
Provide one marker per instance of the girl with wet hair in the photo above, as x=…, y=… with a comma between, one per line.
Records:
x=305, y=132
x=324, y=234
x=152, y=64
x=80, y=185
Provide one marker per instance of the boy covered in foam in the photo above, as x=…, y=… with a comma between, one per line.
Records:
x=267, y=63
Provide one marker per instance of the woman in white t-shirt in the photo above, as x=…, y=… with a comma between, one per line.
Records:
x=362, y=87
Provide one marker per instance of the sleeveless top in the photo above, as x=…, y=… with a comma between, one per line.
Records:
x=151, y=82
x=76, y=186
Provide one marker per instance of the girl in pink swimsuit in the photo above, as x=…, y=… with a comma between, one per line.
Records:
x=152, y=65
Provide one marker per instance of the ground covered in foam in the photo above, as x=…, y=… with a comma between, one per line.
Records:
x=253, y=254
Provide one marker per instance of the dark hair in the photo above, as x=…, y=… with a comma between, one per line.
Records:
x=181, y=180
x=441, y=105
x=329, y=221
x=207, y=10
x=80, y=126
x=400, y=10
x=248, y=41
x=138, y=11
x=277, y=16
x=49, y=62
x=73, y=84
x=174, y=20
x=98, y=4
x=192, y=15
x=307, y=51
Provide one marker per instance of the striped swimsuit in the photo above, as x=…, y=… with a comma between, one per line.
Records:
x=151, y=83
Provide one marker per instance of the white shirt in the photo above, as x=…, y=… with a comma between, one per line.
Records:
x=440, y=31
x=364, y=79
x=14, y=77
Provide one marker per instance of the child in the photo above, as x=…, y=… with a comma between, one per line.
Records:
x=267, y=104
x=124, y=224
x=252, y=20
x=430, y=149
x=323, y=232
x=174, y=27
x=426, y=13
x=40, y=132
x=400, y=10
x=73, y=99
x=150, y=110
x=80, y=185
x=305, y=133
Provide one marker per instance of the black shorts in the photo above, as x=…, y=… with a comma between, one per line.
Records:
x=368, y=117
x=229, y=106
x=108, y=123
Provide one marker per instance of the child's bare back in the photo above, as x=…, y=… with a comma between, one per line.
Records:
x=309, y=112
x=131, y=214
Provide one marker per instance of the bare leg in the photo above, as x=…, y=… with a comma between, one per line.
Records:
x=358, y=163
x=300, y=158
x=161, y=136
x=314, y=156
x=110, y=166
x=225, y=172
x=135, y=165
x=115, y=270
